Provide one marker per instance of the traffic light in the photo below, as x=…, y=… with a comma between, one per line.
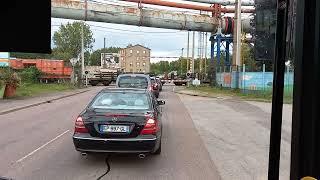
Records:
x=265, y=29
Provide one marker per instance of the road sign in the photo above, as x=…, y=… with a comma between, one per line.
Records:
x=196, y=82
x=73, y=61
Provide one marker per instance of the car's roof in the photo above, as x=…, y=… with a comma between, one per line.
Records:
x=135, y=90
x=139, y=75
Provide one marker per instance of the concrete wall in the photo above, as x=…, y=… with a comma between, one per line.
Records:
x=250, y=80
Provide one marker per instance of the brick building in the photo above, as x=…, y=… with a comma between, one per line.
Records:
x=135, y=59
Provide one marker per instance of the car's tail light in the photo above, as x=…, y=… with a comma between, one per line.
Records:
x=151, y=126
x=79, y=126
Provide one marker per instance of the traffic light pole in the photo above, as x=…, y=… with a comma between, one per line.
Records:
x=278, y=86
x=181, y=61
x=188, y=45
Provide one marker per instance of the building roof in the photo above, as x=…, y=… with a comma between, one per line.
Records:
x=130, y=46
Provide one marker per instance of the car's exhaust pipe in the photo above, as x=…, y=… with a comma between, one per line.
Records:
x=83, y=154
x=141, y=156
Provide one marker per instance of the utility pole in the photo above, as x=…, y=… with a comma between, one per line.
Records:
x=205, y=54
x=200, y=51
x=104, y=53
x=181, y=61
x=193, y=44
x=236, y=58
x=82, y=50
x=188, y=68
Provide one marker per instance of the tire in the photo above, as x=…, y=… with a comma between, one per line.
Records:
x=158, y=151
x=106, y=83
x=93, y=83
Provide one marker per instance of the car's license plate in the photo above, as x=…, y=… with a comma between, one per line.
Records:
x=114, y=128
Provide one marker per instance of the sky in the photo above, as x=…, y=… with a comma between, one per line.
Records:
x=162, y=42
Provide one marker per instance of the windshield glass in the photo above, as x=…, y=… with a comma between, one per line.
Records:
x=133, y=82
x=121, y=101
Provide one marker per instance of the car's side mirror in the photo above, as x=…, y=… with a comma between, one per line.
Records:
x=161, y=102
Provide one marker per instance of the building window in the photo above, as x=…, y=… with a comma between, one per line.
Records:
x=144, y=52
x=130, y=50
x=122, y=58
x=139, y=70
x=138, y=52
x=138, y=64
x=144, y=64
x=130, y=64
x=144, y=70
x=137, y=58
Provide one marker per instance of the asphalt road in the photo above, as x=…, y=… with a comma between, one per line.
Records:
x=36, y=143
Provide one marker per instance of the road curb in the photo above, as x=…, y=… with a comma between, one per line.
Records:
x=39, y=103
x=200, y=95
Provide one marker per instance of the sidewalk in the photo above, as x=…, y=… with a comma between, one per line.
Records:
x=201, y=94
x=10, y=105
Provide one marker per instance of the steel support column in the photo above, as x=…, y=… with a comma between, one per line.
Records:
x=228, y=53
x=218, y=40
x=212, y=73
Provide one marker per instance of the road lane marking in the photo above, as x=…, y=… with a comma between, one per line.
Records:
x=41, y=147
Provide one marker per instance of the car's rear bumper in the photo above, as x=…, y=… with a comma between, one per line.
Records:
x=140, y=144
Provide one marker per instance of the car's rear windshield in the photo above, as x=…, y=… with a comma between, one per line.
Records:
x=133, y=82
x=121, y=101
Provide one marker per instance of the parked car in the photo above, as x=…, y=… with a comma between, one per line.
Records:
x=120, y=120
x=155, y=86
x=140, y=81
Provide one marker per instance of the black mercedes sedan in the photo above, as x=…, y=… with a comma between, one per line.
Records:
x=120, y=120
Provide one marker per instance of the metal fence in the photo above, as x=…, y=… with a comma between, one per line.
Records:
x=252, y=80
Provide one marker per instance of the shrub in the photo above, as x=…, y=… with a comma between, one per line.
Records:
x=8, y=76
x=30, y=75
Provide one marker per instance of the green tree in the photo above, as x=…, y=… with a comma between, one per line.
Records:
x=30, y=55
x=68, y=40
x=247, y=56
